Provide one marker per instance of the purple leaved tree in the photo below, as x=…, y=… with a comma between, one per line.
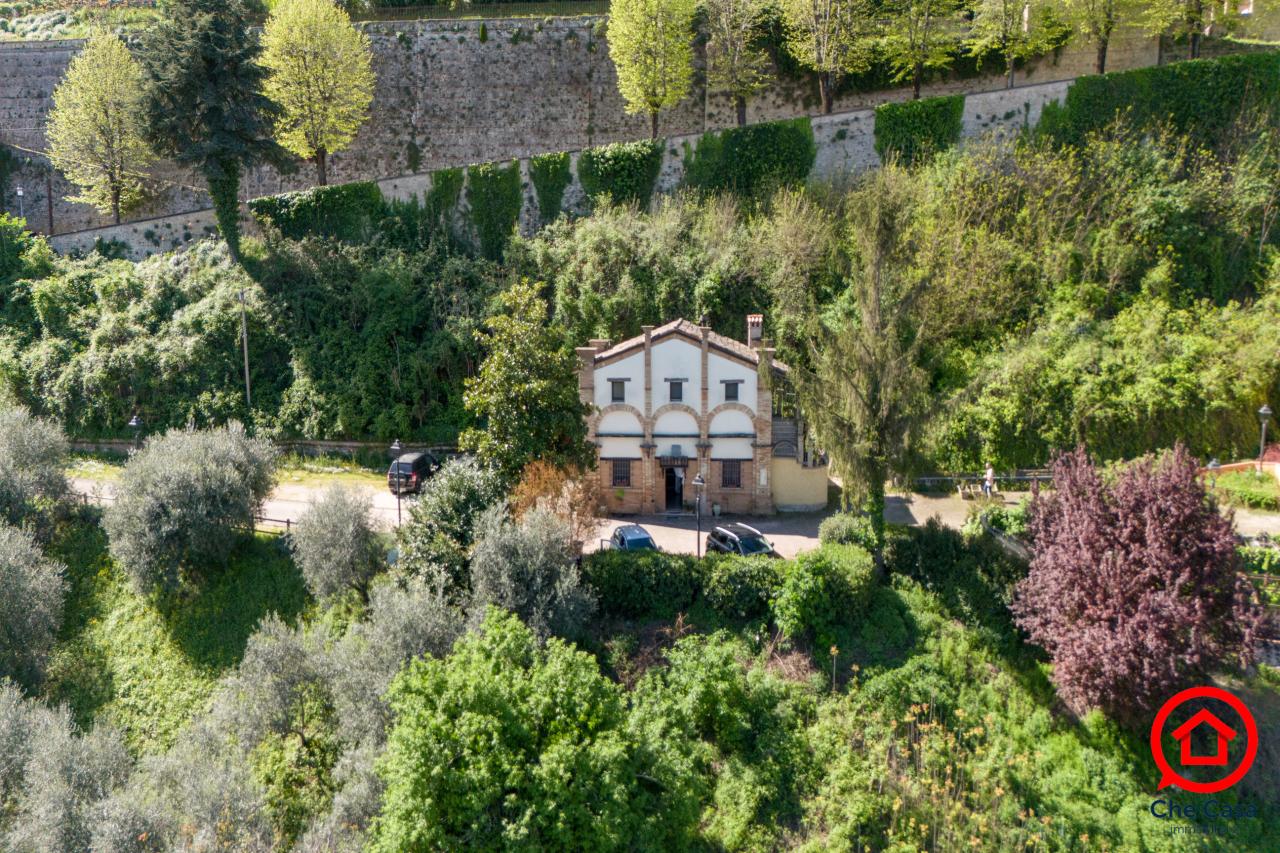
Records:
x=1133, y=587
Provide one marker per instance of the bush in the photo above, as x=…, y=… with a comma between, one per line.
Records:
x=1260, y=561
x=545, y=756
x=529, y=569
x=347, y=212
x=625, y=171
x=752, y=160
x=31, y=591
x=32, y=455
x=1201, y=98
x=642, y=584
x=495, y=199
x=915, y=130
x=741, y=587
x=184, y=500
x=551, y=174
x=846, y=528
x=1248, y=489
x=335, y=546
x=822, y=591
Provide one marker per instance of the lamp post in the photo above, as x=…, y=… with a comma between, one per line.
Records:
x=698, y=484
x=1213, y=467
x=1264, y=415
x=395, y=454
x=21, y=213
x=244, y=344
x=135, y=424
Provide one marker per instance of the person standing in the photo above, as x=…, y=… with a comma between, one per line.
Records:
x=989, y=481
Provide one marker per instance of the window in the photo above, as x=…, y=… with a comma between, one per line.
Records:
x=731, y=391
x=731, y=474
x=677, y=390
x=618, y=389
x=622, y=473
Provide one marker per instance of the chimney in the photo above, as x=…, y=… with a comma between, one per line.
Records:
x=755, y=330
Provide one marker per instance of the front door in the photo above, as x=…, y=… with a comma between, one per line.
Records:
x=675, y=489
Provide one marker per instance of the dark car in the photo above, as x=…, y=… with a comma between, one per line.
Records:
x=739, y=539
x=632, y=537
x=407, y=474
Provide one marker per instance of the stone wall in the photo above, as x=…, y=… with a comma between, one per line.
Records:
x=445, y=97
x=845, y=145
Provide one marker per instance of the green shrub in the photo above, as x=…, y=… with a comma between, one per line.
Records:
x=1201, y=98
x=626, y=171
x=446, y=189
x=914, y=130
x=1249, y=489
x=751, y=160
x=1260, y=561
x=638, y=584
x=846, y=528
x=741, y=587
x=550, y=174
x=348, y=212
x=823, y=590
x=493, y=193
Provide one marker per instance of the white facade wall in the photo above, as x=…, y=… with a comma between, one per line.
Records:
x=720, y=369
x=631, y=369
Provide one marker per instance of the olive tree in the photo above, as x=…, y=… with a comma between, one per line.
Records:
x=528, y=567
x=184, y=500
x=335, y=545
x=31, y=592
x=33, y=451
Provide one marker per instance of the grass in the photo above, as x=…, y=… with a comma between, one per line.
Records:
x=1249, y=490
x=293, y=469
x=149, y=666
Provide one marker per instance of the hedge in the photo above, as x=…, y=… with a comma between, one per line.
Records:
x=746, y=160
x=345, y=212
x=626, y=171
x=495, y=199
x=637, y=584
x=1200, y=97
x=1248, y=489
x=550, y=175
x=822, y=591
x=913, y=130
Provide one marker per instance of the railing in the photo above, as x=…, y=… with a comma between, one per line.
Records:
x=281, y=526
x=517, y=9
x=945, y=482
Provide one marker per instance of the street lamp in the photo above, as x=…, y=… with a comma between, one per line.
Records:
x=1264, y=415
x=21, y=213
x=395, y=454
x=135, y=424
x=698, y=484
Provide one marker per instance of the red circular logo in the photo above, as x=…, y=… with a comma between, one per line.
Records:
x=1221, y=733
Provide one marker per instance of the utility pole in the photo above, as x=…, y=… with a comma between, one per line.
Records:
x=244, y=342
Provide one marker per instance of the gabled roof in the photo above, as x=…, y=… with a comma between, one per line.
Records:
x=1204, y=716
x=693, y=332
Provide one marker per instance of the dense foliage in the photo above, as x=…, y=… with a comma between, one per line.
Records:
x=625, y=171
x=752, y=161
x=1133, y=589
x=334, y=544
x=494, y=196
x=32, y=453
x=913, y=130
x=551, y=174
x=31, y=590
x=347, y=212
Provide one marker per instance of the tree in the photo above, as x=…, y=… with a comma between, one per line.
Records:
x=321, y=77
x=33, y=453
x=183, y=502
x=736, y=64
x=832, y=38
x=436, y=542
x=205, y=105
x=1188, y=18
x=571, y=494
x=651, y=45
x=1007, y=28
x=335, y=545
x=1097, y=20
x=545, y=758
x=525, y=397
x=1133, y=587
x=529, y=569
x=96, y=130
x=922, y=36
x=31, y=592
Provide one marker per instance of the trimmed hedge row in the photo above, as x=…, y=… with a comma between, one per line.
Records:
x=1200, y=97
x=495, y=198
x=347, y=212
x=747, y=160
x=626, y=171
x=914, y=130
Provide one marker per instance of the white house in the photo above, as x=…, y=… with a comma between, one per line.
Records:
x=679, y=400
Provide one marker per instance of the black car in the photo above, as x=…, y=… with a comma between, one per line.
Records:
x=407, y=474
x=741, y=540
x=632, y=537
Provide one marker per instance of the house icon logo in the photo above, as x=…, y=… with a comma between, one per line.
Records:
x=1225, y=733
x=1201, y=724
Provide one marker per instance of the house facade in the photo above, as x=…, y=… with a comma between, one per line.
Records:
x=680, y=400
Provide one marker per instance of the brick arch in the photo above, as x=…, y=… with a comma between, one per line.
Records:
x=731, y=407
x=620, y=407
x=678, y=407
